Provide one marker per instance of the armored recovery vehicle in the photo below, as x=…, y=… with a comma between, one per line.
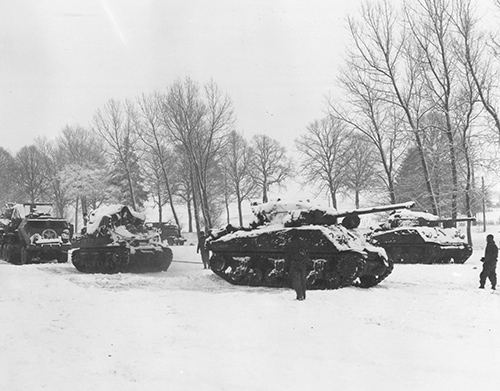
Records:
x=418, y=237
x=338, y=255
x=116, y=240
x=31, y=235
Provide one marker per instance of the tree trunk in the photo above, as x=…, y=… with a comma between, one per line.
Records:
x=264, y=193
x=169, y=194
x=160, y=211
x=356, y=198
x=428, y=183
x=190, y=215
x=240, y=213
x=85, y=210
x=454, y=175
x=334, y=199
x=76, y=214
x=195, y=205
x=226, y=204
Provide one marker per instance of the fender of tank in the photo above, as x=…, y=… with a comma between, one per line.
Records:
x=337, y=255
x=117, y=241
x=32, y=235
x=418, y=237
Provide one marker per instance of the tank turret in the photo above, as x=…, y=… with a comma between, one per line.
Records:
x=117, y=240
x=419, y=237
x=339, y=255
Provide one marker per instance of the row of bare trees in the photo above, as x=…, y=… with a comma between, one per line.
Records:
x=419, y=78
x=174, y=147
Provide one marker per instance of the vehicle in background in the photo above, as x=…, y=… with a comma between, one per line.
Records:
x=419, y=237
x=117, y=240
x=30, y=234
x=169, y=232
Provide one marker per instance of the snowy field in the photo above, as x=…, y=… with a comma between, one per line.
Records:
x=427, y=327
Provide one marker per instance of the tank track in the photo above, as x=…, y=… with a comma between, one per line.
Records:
x=370, y=280
x=120, y=259
x=272, y=271
x=427, y=254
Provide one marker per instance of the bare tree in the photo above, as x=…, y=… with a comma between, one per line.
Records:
x=31, y=173
x=53, y=164
x=238, y=166
x=115, y=123
x=430, y=22
x=78, y=145
x=361, y=168
x=7, y=176
x=326, y=153
x=198, y=121
x=184, y=183
x=270, y=165
x=386, y=55
x=154, y=137
x=477, y=58
x=369, y=113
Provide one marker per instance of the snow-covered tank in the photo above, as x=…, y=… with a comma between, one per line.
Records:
x=419, y=237
x=116, y=240
x=338, y=254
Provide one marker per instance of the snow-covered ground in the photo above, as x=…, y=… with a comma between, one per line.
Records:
x=427, y=327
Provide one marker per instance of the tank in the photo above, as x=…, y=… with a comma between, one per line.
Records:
x=116, y=240
x=30, y=234
x=339, y=255
x=418, y=237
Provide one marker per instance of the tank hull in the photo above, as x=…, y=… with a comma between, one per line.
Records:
x=336, y=257
x=121, y=259
x=422, y=245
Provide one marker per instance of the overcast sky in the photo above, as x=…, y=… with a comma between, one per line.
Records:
x=62, y=59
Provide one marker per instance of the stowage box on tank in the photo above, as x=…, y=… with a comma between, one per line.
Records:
x=418, y=237
x=338, y=255
x=116, y=240
x=29, y=234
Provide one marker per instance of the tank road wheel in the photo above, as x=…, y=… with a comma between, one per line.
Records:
x=255, y=277
x=11, y=256
x=372, y=280
x=276, y=276
x=317, y=279
x=218, y=263
x=239, y=274
x=25, y=256
x=349, y=267
x=75, y=260
x=333, y=280
x=62, y=257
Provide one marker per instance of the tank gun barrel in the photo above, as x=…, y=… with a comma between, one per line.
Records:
x=376, y=209
x=458, y=220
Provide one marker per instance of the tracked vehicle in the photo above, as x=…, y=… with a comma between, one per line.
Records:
x=116, y=240
x=29, y=234
x=338, y=255
x=417, y=237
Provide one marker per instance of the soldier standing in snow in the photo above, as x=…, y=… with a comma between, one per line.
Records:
x=489, y=263
x=205, y=255
x=298, y=259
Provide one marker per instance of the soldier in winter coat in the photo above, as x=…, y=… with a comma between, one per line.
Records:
x=298, y=265
x=201, y=248
x=489, y=263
